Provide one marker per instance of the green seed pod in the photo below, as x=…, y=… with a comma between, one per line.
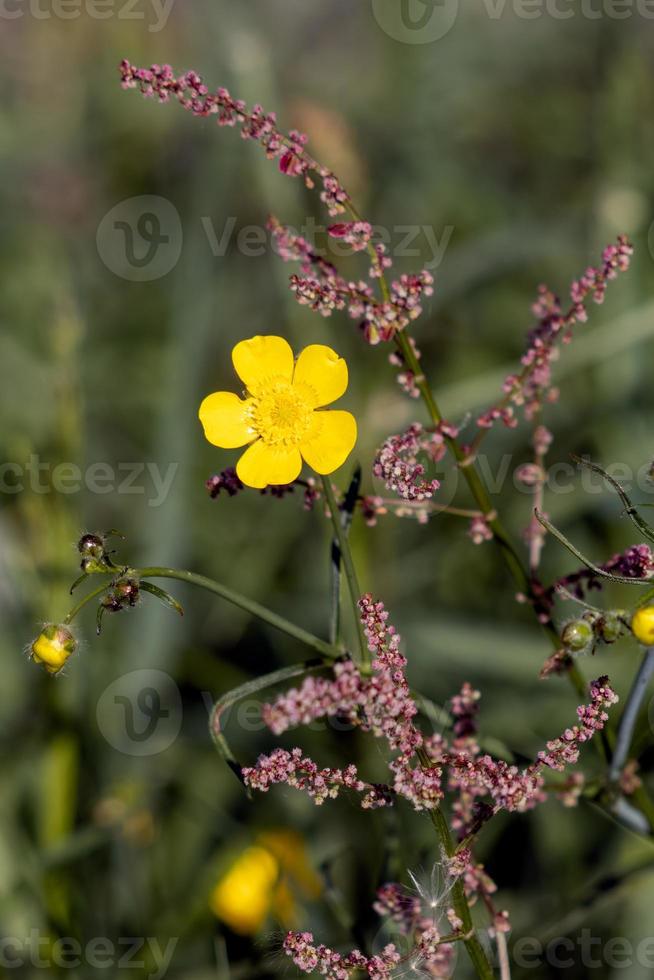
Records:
x=610, y=627
x=577, y=635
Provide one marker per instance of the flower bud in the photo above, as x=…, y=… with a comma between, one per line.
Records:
x=610, y=627
x=91, y=546
x=577, y=635
x=642, y=625
x=53, y=646
x=127, y=591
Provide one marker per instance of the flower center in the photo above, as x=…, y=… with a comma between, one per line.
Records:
x=281, y=413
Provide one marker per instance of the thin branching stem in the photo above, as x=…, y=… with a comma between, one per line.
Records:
x=630, y=714
x=340, y=533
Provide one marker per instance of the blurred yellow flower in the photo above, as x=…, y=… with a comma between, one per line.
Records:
x=242, y=898
x=52, y=647
x=258, y=883
x=642, y=625
x=278, y=418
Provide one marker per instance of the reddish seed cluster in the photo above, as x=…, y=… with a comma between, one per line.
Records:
x=478, y=884
x=160, y=81
x=357, y=234
x=320, y=286
x=396, y=462
x=406, y=378
x=228, y=481
x=395, y=903
x=635, y=562
x=564, y=751
x=300, y=772
x=558, y=662
x=292, y=247
x=477, y=778
x=479, y=529
x=383, y=705
x=508, y=787
x=311, y=958
x=464, y=708
x=424, y=951
x=532, y=387
x=325, y=291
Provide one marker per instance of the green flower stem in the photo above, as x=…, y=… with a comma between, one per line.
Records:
x=630, y=714
x=474, y=948
x=87, y=598
x=340, y=534
x=467, y=467
x=244, y=691
x=249, y=605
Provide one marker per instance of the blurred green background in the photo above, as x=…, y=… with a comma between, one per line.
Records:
x=523, y=145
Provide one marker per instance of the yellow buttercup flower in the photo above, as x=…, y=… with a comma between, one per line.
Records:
x=642, y=625
x=52, y=647
x=279, y=418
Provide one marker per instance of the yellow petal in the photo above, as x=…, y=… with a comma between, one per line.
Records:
x=323, y=372
x=330, y=440
x=262, y=465
x=261, y=358
x=225, y=421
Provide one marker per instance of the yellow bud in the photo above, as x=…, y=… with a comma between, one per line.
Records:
x=642, y=625
x=53, y=646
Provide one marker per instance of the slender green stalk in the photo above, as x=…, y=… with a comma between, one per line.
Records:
x=474, y=948
x=230, y=595
x=244, y=691
x=348, y=566
x=346, y=516
x=630, y=714
x=249, y=605
x=87, y=598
